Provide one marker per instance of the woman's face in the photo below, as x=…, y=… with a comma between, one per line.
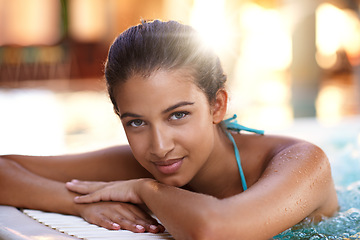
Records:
x=168, y=123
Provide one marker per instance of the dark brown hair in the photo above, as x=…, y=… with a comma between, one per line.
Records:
x=155, y=45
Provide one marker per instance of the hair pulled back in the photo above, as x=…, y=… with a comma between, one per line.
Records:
x=155, y=45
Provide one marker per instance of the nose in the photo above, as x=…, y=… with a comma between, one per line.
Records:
x=161, y=142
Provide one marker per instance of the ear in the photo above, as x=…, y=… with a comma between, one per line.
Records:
x=219, y=106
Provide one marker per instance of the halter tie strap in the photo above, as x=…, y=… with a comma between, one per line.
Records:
x=232, y=125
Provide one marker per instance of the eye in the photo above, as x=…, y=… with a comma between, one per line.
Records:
x=136, y=123
x=178, y=115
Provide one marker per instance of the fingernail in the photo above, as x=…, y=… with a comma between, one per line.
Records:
x=139, y=227
x=116, y=226
x=153, y=227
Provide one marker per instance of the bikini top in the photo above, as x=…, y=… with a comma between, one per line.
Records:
x=232, y=125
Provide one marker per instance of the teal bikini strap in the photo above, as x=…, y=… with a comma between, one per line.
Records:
x=231, y=124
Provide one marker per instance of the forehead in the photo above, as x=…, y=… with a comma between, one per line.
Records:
x=161, y=89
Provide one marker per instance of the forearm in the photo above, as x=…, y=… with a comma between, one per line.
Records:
x=21, y=188
x=184, y=213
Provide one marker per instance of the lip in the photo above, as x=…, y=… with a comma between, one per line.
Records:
x=170, y=166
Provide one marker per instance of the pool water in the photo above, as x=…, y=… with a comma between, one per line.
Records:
x=342, y=145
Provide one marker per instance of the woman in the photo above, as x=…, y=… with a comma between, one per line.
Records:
x=183, y=161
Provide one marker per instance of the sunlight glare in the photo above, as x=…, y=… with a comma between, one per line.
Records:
x=208, y=18
x=267, y=43
x=273, y=92
x=329, y=22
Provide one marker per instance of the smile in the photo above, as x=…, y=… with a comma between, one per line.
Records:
x=170, y=166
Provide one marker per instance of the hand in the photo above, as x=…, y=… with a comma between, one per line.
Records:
x=110, y=215
x=121, y=191
x=86, y=187
x=115, y=216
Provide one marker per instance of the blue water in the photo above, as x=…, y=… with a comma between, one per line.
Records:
x=343, y=150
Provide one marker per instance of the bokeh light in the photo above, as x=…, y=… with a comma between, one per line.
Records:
x=337, y=29
x=61, y=45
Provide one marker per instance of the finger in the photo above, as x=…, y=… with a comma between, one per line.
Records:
x=126, y=224
x=104, y=222
x=161, y=228
x=84, y=187
x=122, y=223
x=90, y=198
x=141, y=214
x=75, y=188
x=154, y=227
x=78, y=187
x=144, y=219
x=115, y=218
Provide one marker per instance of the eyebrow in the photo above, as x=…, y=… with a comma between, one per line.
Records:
x=124, y=115
x=180, y=104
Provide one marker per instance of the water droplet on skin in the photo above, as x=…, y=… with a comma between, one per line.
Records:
x=343, y=225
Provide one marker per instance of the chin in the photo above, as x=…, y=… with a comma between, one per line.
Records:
x=172, y=181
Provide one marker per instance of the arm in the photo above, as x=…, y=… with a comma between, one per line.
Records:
x=109, y=164
x=38, y=183
x=22, y=188
x=33, y=181
x=296, y=183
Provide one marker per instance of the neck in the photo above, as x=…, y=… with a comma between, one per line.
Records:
x=219, y=176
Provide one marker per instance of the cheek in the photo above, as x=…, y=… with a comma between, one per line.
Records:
x=138, y=146
x=198, y=138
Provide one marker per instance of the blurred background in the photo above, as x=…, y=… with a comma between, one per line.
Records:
x=286, y=60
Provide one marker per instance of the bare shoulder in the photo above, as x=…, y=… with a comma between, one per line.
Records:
x=293, y=181
x=257, y=151
x=293, y=166
x=108, y=164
